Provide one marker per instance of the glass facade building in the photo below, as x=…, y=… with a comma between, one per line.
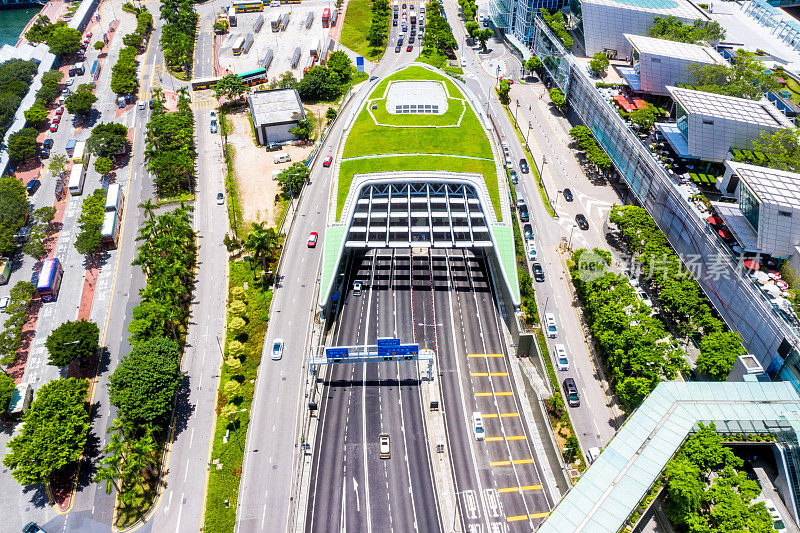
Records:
x=765, y=333
x=749, y=204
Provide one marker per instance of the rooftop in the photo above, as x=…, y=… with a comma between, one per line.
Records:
x=759, y=112
x=276, y=106
x=678, y=8
x=780, y=187
x=663, y=47
x=611, y=489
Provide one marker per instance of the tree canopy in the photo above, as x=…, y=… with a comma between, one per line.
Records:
x=16, y=76
x=80, y=102
x=54, y=432
x=90, y=221
x=63, y=40
x=673, y=29
x=231, y=86
x=599, y=63
x=339, y=63
x=36, y=114
x=292, y=179
x=144, y=383
x=782, y=148
x=744, y=78
x=6, y=390
x=79, y=339
x=106, y=139
x=319, y=84
x=22, y=145
x=169, y=146
x=13, y=211
x=438, y=33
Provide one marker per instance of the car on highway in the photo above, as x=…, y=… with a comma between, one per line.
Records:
x=538, y=272
x=513, y=175
x=582, y=222
x=560, y=355
x=220, y=198
x=523, y=213
x=523, y=165
x=327, y=161
x=54, y=127
x=593, y=454
x=568, y=195
x=277, y=349
x=397, y=48
x=463, y=62
x=410, y=48
x=142, y=105
x=550, y=325
x=4, y=301
x=60, y=111
x=411, y=39
x=384, y=445
x=312, y=239
x=477, y=426
x=357, y=288
x=571, y=392
x=527, y=231
x=32, y=527
x=520, y=201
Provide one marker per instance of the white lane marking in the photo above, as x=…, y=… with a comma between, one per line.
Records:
x=355, y=489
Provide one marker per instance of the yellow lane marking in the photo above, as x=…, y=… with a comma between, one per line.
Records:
x=494, y=394
x=509, y=415
x=539, y=515
x=526, y=517
x=485, y=355
x=510, y=437
x=516, y=437
x=520, y=489
x=500, y=463
x=486, y=374
x=515, y=461
x=493, y=439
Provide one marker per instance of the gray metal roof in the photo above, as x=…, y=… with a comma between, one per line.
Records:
x=276, y=106
x=779, y=187
x=686, y=51
x=760, y=112
x=610, y=490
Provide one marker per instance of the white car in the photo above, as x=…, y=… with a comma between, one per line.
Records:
x=463, y=61
x=277, y=349
x=4, y=301
x=141, y=104
x=593, y=454
x=357, y=288
x=532, y=255
x=562, y=359
x=477, y=426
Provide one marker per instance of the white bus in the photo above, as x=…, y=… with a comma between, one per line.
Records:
x=114, y=198
x=80, y=152
x=76, y=179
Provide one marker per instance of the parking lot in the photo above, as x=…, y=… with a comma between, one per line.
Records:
x=282, y=43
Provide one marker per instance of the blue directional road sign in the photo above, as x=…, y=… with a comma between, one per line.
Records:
x=388, y=341
x=398, y=350
x=359, y=63
x=336, y=353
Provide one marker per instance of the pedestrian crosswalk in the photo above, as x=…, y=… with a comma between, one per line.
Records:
x=202, y=102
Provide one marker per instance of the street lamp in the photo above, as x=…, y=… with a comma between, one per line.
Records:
x=571, y=231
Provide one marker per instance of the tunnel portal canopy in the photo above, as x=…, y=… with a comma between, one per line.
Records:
x=421, y=180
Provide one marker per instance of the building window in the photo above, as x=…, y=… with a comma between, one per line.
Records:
x=785, y=213
x=682, y=120
x=655, y=59
x=708, y=121
x=749, y=205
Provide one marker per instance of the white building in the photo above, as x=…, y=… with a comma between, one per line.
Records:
x=657, y=63
x=767, y=219
x=274, y=113
x=605, y=22
x=708, y=125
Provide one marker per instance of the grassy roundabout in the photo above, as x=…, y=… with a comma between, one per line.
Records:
x=437, y=136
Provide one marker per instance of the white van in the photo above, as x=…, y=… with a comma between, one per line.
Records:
x=281, y=158
x=550, y=325
x=477, y=426
x=560, y=355
x=593, y=454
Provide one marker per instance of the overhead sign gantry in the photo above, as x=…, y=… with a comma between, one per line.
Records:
x=386, y=350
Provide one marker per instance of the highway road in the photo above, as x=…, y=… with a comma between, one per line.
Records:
x=361, y=401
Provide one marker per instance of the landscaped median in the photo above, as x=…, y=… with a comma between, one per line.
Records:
x=454, y=141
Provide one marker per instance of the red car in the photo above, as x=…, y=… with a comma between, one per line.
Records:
x=410, y=48
x=89, y=35
x=327, y=161
x=60, y=111
x=312, y=239
x=54, y=126
x=56, y=120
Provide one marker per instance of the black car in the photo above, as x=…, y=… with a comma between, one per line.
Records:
x=45, y=153
x=523, y=213
x=538, y=272
x=48, y=143
x=567, y=195
x=413, y=32
x=527, y=231
x=394, y=22
x=582, y=222
x=32, y=527
x=32, y=186
x=523, y=165
x=411, y=39
x=373, y=78
x=571, y=392
x=397, y=48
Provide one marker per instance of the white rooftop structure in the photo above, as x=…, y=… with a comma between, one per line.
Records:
x=276, y=106
x=780, y=187
x=420, y=96
x=674, y=49
x=756, y=25
x=760, y=112
x=611, y=489
x=676, y=8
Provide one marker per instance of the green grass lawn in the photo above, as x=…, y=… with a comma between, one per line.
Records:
x=415, y=73
x=792, y=86
x=357, y=20
x=439, y=61
x=431, y=162
x=455, y=108
x=223, y=483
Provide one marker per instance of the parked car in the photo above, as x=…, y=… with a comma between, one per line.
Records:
x=54, y=127
x=32, y=527
x=60, y=111
x=582, y=222
x=523, y=213
x=45, y=153
x=568, y=195
x=532, y=255
x=4, y=301
x=520, y=201
x=32, y=186
x=312, y=239
x=523, y=165
x=327, y=161
x=527, y=231
x=538, y=272
x=397, y=48
x=277, y=349
x=513, y=175
x=463, y=61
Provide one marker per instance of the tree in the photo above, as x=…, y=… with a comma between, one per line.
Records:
x=718, y=353
x=63, y=40
x=558, y=98
x=673, y=29
x=13, y=211
x=133, y=39
x=221, y=26
x=472, y=27
x=22, y=145
x=339, y=63
x=237, y=325
x=284, y=81
x=558, y=24
x=103, y=165
x=231, y=86
x=6, y=391
x=502, y=92
x=483, y=36
x=99, y=45
x=331, y=113
x=745, y=78
x=80, y=102
x=303, y=130
x=90, y=221
x=533, y=64
x=53, y=434
x=236, y=349
x=319, y=84
x=49, y=89
x=782, y=148
x=106, y=139
x=599, y=63
x=57, y=164
x=292, y=179
x=144, y=383
x=71, y=340
x=643, y=119
x=237, y=308
x=684, y=489
x=263, y=244
x=36, y=114
x=39, y=30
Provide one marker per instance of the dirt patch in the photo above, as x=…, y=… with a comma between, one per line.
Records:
x=253, y=169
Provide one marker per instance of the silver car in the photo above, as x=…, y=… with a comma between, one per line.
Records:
x=277, y=349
